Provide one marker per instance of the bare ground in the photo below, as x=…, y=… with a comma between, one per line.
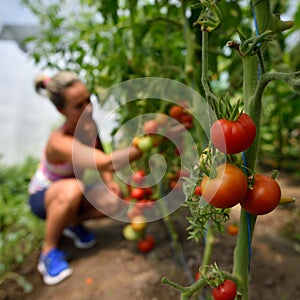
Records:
x=114, y=269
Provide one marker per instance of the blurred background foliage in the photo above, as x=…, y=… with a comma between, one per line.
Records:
x=20, y=231
x=108, y=42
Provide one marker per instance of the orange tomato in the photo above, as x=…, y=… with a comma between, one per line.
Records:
x=232, y=229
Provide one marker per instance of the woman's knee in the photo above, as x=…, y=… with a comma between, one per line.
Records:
x=65, y=192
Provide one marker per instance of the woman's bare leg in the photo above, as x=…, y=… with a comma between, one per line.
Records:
x=62, y=200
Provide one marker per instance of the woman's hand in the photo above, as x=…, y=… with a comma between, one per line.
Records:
x=114, y=188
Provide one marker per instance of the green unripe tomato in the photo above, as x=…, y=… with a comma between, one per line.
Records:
x=130, y=234
x=145, y=143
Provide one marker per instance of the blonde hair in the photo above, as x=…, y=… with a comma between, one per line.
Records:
x=54, y=86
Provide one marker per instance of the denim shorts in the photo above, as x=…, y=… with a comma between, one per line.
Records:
x=37, y=203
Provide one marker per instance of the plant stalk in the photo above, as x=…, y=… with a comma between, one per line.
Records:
x=241, y=266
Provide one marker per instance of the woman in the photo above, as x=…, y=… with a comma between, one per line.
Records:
x=56, y=194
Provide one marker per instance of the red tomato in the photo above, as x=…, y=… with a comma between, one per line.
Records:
x=151, y=126
x=197, y=190
x=227, y=189
x=225, y=291
x=197, y=276
x=233, y=136
x=146, y=244
x=263, y=197
x=187, y=120
x=176, y=111
x=148, y=191
x=232, y=229
x=139, y=176
x=186, y=117
x=137, y=193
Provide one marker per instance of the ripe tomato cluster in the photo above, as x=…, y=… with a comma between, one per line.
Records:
x=230, y=186
x=136, y=232
x=180, y=113
x=139, y=199
x=140, y=196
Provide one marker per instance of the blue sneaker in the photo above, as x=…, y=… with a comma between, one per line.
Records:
x=83, y=239
x=54, y=267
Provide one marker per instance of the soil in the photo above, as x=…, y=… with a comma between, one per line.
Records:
x=114, y=268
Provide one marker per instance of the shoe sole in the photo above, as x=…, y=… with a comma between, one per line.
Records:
x=77, y=242
x=50, y=280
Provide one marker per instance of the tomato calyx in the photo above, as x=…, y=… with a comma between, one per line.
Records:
x=228, y=111
x=274, y=174
x=223, y=284
x=208, y=162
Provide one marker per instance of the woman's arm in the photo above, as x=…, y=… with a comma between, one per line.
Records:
x=62, y=147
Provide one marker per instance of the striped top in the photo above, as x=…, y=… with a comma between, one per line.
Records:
x=47, y=173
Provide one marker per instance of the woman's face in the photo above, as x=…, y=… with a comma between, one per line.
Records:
x=77, y=102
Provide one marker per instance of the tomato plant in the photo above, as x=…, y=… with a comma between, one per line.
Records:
x=233, y=136
x=218, y=21
x=147, y=244
x=263, y=197
x=225, y=291
x=227, y=189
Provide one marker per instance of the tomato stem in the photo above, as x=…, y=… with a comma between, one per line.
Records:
x=274, y=174
x=210, y=97
x=209, y=242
